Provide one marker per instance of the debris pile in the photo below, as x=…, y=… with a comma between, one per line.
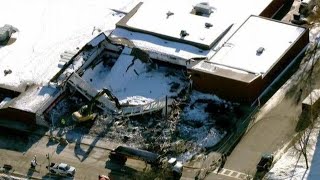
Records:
x=185, y=128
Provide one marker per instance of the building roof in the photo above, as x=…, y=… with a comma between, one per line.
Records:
x=256, y=46
x=148, y=27
x=34, y=56
x=168, y=20
x=35, y=98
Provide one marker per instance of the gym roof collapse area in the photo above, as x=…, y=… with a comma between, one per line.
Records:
x=133, y=81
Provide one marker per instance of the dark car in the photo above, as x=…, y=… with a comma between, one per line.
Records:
x=265, y=162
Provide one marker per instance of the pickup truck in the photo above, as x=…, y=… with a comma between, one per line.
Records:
x=61, y=169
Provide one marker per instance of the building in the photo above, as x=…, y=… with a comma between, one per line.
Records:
x=226, y=52
x=234, y=56
x=251, y=59
x=176, y=32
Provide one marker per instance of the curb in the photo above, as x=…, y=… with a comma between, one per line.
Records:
x=19, y=175
x=284, y=149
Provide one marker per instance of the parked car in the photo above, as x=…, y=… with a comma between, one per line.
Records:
x=265, y=162
x=62, y=169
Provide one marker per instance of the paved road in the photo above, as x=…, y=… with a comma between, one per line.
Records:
x=18, y=150
x=273, y=130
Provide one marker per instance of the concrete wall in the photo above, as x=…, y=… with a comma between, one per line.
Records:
x=226, y=88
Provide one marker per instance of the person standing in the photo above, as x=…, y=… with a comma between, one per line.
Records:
x=34, y=162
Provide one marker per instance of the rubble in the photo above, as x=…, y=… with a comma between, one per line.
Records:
x=187, y=130
x=184, y=129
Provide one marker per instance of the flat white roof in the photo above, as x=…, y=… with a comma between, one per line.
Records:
x=160, y=46
x=152, y=17
x=34, y=98
x=240, y=51
x=46, y=29
x=152, y=12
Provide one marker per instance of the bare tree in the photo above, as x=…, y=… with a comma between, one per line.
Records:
x=311, y=114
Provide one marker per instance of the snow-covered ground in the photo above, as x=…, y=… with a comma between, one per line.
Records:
x=205, y=135
x=197, y=125
x=292, y=166
x=46, y=29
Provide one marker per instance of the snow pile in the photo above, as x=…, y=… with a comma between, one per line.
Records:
x=134, y=82
x=196, y=122
x=290, y=166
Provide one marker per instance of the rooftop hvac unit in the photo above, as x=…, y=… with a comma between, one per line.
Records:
x=203, y=8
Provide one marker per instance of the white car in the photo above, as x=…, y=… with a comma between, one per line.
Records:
x=62, y=169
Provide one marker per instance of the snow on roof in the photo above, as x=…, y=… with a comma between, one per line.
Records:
x=164, y=49
x=46, y=29
x=168, y=18
x=34, y=98
x=4, y=102
x=272, y=38
x=133, y=81
x=97, y=40
x=154, y=44
x=158, y=20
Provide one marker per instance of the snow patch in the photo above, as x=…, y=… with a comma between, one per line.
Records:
x=197, y=123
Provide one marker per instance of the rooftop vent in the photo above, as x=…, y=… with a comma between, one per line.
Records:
x=203, y=9
x=208, y=25
x=259, y=51
x=169, y=13
x=183, y=33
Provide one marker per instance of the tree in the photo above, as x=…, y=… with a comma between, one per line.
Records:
x=311, y=115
